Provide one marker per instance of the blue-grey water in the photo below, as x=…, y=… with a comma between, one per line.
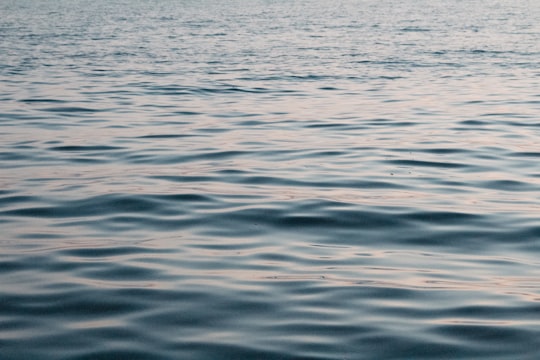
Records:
x=270, y=179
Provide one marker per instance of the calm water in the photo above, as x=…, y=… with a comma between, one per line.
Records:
x=270, y=179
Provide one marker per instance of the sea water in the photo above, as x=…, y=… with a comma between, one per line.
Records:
x=269, y=179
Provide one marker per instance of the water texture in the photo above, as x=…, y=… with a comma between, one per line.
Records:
x=269, y=179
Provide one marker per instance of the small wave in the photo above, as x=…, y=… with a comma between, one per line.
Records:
x=71, y=109
x=422, y=163
x=80, y=148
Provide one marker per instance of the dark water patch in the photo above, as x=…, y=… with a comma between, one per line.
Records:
x=438, y=151
x=344, y=126
x=377, y=121
x=87, y=207
x=42, y=236
x=192, y=90
x=444, y=218
x=157, y=73
x=475, y=123
x=389, y=77
x=421, y=163
x=233, y=172
x=24, y=144
x=346, y=183
x=81, y=148
x=106, y=252
x=235, y=114
x=12, y=266
x=466, y=239
x=115, y=353
x=13, y=156
x=406, y=346
x=42, y=100
x=187, y=113
x=484, y=52
x=122, y=273
x=93, y=121
x=21, y=116
x=174, y=159
x=523, y=124
x=342, y=220
x=294, y=78
x=329, y=88
x=194, y=197
x=183, y=178
x=527, y=154
x=414, y=29
x=474, y=102
x=311, y=77
x=497, y=315
x=71, y=305
x=324, y=154
x=70, y=109
x=504, y=115
x=524, y=234
x=508, y=185
x=282, y=219
x=399, y=124
x=214, y=130
x=476, y=333
x=17, y=199
x=87, y=160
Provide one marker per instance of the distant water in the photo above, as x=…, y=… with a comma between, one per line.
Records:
x=270, y=179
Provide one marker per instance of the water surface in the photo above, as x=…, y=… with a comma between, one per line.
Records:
x=269, y=179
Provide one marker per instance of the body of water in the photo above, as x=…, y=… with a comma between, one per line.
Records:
x=269, y=179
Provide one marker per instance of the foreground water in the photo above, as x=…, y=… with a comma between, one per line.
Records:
x=269, y=179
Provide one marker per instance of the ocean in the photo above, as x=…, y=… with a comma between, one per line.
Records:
x=269, y=179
